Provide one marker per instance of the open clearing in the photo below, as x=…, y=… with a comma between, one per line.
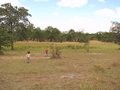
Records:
x=75, y=70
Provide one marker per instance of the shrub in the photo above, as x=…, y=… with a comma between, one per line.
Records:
x=55, y=51
x=115, y=64
x=86, y=46
x=99, y=68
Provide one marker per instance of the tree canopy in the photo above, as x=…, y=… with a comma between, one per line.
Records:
x=115, y=29
x=12, y=17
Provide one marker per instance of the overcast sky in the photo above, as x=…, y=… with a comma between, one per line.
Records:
x=86, y=15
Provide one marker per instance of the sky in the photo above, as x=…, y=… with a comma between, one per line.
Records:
x=89, y=16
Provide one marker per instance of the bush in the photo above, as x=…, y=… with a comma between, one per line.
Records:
x=55, y=51
x=99, y=68
x=86, y=46
x=1, y=52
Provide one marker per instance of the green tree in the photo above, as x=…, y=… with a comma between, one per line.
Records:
x=21, y=32
x=52, y=34
x=30, y=32
x=4, y=37
x=12, y=16
x=104, y=36
x=38, y=34
x=71, y=35
x=115, y=29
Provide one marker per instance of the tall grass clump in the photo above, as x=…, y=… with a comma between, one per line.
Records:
x=55, y=51
x=87, y=46
x=98, y=68
x=1, y=52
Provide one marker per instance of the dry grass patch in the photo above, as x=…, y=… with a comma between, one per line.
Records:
x=75, y=70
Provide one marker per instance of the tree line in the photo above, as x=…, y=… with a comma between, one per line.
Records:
x=15, y=26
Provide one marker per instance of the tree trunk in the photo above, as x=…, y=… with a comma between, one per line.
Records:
x=12, y=39
x=1, y=50
x=12, y=45
x=119, y=47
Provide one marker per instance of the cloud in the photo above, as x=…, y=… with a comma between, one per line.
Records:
x=13, y=2
x=56, y=14
x=90, y=25
x=72, y=3
x=78, y=23
x=108, y=13
x=118, y=12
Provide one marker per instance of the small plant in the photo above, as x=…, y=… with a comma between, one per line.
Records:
x=86, y=46
x=55, y=51
x=1, y=52
x=115, y=64
x=99, y=68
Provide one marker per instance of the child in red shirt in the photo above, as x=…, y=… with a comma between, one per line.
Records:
x=46, y=52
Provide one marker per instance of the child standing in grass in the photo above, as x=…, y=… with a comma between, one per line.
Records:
x=28, y=56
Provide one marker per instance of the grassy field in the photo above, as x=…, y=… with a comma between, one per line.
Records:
x=75, y=70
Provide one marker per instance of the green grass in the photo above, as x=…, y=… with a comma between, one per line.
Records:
x=75, y=70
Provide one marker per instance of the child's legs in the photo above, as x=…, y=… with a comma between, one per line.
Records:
x=28, y=59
